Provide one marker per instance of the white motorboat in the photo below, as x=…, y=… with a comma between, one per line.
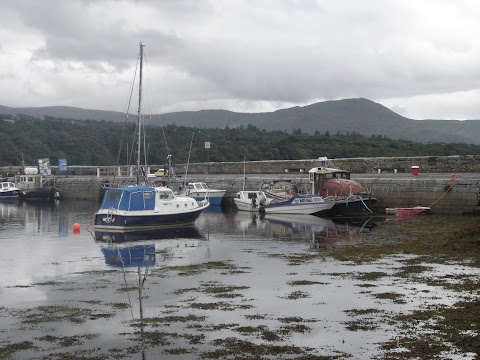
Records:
x=9, y=190
x=200, y=191
x=250, y=200
x=300, y=204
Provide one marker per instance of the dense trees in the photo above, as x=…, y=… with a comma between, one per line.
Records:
x=88, y=142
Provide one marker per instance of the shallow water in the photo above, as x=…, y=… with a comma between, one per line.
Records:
x=237, y=276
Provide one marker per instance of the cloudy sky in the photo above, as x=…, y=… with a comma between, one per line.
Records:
x=420, y=58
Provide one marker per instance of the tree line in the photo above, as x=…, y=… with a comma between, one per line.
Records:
x=25, y=139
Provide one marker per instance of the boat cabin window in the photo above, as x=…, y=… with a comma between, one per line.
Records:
x=252, y=195
x=148, y=195
x=113, y=197
x=197, y=186
x=307, y=200
x=165, y=194
x=339, y=175
x=302, y=201
x=334, y=175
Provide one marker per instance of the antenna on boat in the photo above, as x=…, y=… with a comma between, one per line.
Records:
x=139, y=120
x=243, y=173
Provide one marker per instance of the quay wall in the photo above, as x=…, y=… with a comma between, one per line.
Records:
x=388, y=178
x=79, y=188
x=445, y=194
x=426, y=164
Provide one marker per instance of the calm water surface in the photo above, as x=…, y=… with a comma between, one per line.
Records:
x=234, y=276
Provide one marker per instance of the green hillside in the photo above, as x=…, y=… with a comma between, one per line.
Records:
x=90, y=142
x=361, y=116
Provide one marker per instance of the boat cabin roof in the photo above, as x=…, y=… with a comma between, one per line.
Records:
x=197, y=185
x=326, y=170
x=250, y=194
x=135, y=197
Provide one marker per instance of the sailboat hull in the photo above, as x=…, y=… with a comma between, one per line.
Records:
x=144, y=208
x=145, y=221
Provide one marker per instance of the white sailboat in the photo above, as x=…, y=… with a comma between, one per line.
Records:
x=143, y=207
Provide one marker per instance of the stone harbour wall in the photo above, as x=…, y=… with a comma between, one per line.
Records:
x=391, y=191
x=79, y=188
x=426, y=164
x=389, y=179
x=444, y=195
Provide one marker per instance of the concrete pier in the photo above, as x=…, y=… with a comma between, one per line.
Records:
x=449, y=184
x=445, y=193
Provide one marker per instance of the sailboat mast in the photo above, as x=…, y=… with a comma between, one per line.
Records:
x=139, y=121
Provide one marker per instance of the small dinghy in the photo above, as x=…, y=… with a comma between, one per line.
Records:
x=405, y=211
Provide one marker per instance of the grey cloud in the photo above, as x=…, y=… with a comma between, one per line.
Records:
x=257, y=54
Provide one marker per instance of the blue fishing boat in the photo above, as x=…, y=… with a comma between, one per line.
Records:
x=145, y=207
x=201, y=191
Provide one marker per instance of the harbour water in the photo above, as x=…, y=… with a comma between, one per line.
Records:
x=237, y=284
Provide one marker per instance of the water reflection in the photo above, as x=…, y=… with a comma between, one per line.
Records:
x=147, y=248
x=191, y=232
x=8, y=211
x=319, y=231
x=45, y=217
x=33, y=216
x=145, y=251
x=244, y=220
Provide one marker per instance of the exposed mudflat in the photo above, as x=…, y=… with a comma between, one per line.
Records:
x=241, y=287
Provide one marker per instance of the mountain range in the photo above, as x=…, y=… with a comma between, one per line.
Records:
x=360, y=115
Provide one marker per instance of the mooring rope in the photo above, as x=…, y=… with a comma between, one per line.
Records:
x=361, y=199
x=454, y=179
